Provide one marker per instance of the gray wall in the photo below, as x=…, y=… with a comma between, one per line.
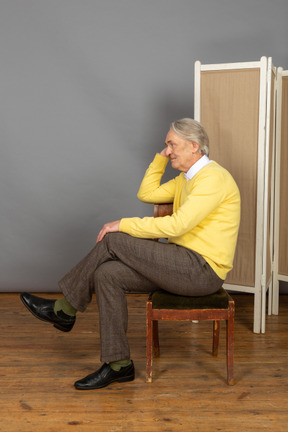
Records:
x=88, y=89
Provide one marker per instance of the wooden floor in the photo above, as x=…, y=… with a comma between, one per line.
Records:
x=189, y=392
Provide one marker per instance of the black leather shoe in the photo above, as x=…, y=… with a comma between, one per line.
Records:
x=43, y=309
x=105, y=376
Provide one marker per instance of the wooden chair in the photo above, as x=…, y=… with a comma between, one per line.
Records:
x=162, y=305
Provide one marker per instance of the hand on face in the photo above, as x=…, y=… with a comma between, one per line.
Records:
x=165, y=152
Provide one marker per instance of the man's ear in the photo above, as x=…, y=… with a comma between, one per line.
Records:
x=195, y=147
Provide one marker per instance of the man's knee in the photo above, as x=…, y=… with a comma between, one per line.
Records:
x=115, y=237
x=109, y=273
x=109, y=285
x=103, y=272
x=117, y=244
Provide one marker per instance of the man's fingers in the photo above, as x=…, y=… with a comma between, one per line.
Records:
x=109, y=227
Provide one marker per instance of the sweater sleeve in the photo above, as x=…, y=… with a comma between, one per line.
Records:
x=204, y=197
x=150, y=190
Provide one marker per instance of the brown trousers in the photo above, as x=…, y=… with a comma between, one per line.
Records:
x=122, y=264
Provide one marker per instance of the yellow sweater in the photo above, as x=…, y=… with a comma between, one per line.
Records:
x=206, y=212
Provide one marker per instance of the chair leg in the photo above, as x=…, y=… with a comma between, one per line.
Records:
x=216, y=333
x=149, y=343
x=230, y=344
x=156, y=338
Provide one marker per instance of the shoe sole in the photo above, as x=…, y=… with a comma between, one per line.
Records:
x=57, y=326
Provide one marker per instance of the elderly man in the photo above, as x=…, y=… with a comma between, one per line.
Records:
x=202, y=234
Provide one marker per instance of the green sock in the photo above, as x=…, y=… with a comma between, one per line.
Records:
x=116, y=366
x=65, y=306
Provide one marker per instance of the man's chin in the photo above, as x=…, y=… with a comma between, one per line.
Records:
x=174, y=164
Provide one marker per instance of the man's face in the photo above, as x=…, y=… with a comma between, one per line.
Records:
x=183, y=154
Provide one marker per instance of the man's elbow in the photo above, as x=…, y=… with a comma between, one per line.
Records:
x=144, y=198
x=139, y=195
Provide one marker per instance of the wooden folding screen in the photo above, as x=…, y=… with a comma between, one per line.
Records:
x=232, y=103
x=280, y=264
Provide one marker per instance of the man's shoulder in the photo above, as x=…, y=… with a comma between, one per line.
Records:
x=214, y=168
x=217, y=174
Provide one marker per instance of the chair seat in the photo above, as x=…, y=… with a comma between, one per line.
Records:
x=164, y=300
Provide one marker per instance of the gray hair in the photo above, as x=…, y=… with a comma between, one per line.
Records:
x=192, y=130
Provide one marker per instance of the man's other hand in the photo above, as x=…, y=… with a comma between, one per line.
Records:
x=108, y=227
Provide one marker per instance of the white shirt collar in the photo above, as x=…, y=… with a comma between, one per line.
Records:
x=201, y=163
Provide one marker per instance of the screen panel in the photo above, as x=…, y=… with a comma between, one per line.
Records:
x=229, y=111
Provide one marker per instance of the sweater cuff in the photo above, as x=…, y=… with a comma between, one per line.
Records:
x=159, y=159
x=123, y=225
